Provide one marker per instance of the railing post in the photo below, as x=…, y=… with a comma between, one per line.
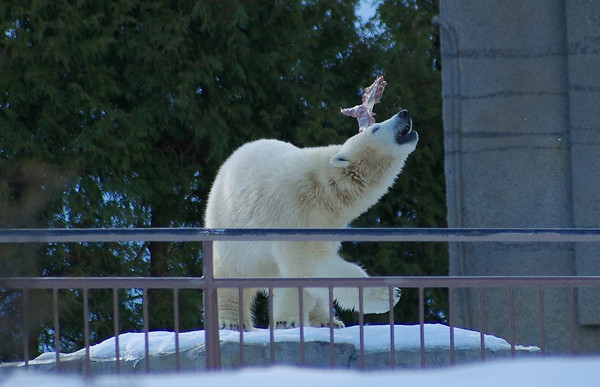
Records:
x=25, y=323
x=56, y=328
x=211, y=312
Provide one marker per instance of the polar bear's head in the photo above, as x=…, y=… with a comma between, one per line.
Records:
x=391, y=140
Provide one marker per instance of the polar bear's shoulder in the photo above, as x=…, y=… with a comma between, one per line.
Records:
x=276, y=151
x=267, y=144
x=264, y=148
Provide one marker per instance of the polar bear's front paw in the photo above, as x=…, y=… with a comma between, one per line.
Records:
x=377, y=300
x=292, y=323
x=231, y=325
x=285, y=324
x=336, y=323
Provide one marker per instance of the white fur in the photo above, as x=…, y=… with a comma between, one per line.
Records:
x=273, y=184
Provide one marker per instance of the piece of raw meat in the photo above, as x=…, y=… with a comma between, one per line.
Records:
x=364, y=112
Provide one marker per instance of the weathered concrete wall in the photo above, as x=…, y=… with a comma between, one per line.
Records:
x=522, y=130
x=583, y=42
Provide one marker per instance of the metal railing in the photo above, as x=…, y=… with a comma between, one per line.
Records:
x=209, y=285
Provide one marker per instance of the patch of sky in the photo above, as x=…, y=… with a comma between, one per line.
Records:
x=366, y=10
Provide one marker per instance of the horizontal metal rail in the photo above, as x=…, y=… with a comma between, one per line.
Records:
x=200, y=283
x=359, y=235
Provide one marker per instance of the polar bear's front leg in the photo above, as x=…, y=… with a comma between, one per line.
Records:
x=286, y=312
x=375, y=300
x=319, y=316
x=315, y=310
x=228, y=305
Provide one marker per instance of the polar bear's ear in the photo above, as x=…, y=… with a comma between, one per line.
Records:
x=340, y=160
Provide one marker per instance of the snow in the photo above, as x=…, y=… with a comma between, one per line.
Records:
x=376, y=338
x=546, y=372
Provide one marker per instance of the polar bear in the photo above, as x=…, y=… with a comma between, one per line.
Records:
x=274, y=184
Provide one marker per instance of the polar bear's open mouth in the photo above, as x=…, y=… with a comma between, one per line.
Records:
x=405, y=135
x=406, y=130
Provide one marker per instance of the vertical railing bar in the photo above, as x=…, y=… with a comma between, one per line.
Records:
x=542, y=323
x=56, y=329
x=361, y=326
x=146, y=316
x=331, y=334
x=391, y=291
x=511, y=314
x=86, y=329
x=451, y=324
x=422, y=325
x=241, y=326
x=176, y=328
x=271, y=327
x=301, y=323
x=481, y=324
x=26, y=327
x=572, y=318
x=116, y=329
x=211, y=310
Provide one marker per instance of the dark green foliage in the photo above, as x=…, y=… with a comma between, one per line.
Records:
x=118, y=114
x=12, y=339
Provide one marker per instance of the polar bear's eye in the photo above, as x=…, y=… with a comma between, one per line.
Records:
x=375, y=128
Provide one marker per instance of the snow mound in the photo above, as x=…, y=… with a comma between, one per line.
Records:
x=376, y=338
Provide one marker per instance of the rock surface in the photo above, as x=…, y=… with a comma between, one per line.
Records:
x=317, y=355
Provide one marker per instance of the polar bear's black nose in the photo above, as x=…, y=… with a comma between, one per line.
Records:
x=403, y=114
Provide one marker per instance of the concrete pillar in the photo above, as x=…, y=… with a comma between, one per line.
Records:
x=522, y=150
x=583, y=38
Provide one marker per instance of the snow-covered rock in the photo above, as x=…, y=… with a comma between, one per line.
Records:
x=286, y=348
